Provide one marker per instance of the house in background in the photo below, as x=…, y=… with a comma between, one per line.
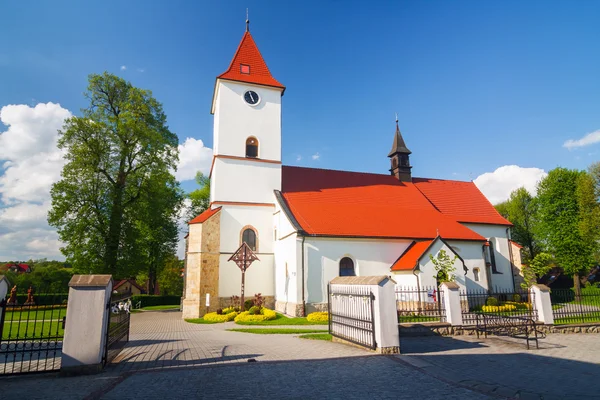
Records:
x=128, y=286
x=17, y=268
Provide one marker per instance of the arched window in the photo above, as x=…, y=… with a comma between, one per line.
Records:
x=249, y=237
x=493, y=257
x=476, y=274
x=252, y=147
x=347, y=267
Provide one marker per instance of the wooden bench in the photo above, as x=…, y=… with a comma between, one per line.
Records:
x=512, y=326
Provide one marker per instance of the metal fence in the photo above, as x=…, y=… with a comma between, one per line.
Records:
x=569, y=308
x=31, y=333
x=117, y=332
x=500, y=302
x=419, y=304
x=351, y=315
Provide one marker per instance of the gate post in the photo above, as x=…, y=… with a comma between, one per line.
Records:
x=86, y=323
x=452, y=307
x=543, y=303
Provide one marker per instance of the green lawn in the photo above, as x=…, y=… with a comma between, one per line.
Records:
x=276, y=331
x=283, y=320
x=200, y=321
x=154, y=308
x=416, y=318
x=317, y=336
x=578, y=319
x=18, y=315
x=31, y=330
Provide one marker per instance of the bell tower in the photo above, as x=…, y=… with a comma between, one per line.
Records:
x=399, y=157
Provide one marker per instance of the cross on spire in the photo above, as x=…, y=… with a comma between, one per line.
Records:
x=247, y=21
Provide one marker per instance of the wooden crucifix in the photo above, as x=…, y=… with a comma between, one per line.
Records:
x=243, y=257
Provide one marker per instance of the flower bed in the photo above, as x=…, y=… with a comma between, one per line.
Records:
x=265, y=315
x=319, y=316
x=214, y=317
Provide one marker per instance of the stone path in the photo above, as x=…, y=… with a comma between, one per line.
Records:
x=565, y=366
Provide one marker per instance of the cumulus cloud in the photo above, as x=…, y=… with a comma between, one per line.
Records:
x=31, y=163
x=193, y=157
x=316, y=156
x=587, y=140
x=298, y=158
x=123, y=67
x=498, y=185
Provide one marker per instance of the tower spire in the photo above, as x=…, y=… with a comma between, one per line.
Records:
x=247, y=21
x=399, y=155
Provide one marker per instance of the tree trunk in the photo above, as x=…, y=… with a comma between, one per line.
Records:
x=577, y=286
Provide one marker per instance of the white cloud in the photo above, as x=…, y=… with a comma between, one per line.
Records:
x=32, y=163
x=141, y=70
x=298, y=158
x=193, y=157
x=316, y=156
x=587, y=140
x=123, y=67
x=498, y=185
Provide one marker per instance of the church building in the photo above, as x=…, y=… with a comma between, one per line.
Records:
x=309, y=225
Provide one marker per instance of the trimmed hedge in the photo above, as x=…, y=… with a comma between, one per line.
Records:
x=214, y=317
x=42, y=299
x=265, y=315
x=319, y=316
x=154, y=300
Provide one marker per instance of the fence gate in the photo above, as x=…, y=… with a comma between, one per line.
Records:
x=31, y=333
x=351, y=315
x=117, y=332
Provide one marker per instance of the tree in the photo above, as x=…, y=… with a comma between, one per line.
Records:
x=538, y=267
x=520, y=210
x=444, y=266
x=568, y=220
x=114, y=151
x=170, y=278
x=199, y=198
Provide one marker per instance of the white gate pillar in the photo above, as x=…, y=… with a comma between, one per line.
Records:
x=542, y=303
x=451, y=302
x=86, y=324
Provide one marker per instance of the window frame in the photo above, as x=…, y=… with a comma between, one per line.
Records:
x=253, y=229
x=251, y=145
x=340, y=266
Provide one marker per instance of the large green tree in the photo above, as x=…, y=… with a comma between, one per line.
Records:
x=115, y=151
x=520, y=210
x=568, y=220
x=199, y=198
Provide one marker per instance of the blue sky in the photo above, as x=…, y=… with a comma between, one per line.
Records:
x=476, y=85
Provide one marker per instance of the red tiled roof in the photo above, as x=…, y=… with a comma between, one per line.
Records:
x=409, y=259
x=516, y=244
x=248, y=54
x=341, y=203
x=462, y=201
x=204, y=216
x=123, y=281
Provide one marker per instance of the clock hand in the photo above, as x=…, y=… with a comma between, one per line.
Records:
x=252, y=97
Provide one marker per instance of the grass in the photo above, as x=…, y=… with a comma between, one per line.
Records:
x=200, y=321
x=317, y=336
x=24, y=315
x=283, y=320
x=30, y=330
x=153, y=308
x=416, y=318
x=578, y=319
x=276, y=331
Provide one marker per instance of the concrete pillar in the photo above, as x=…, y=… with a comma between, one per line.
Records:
x=542, y=303
x=451, y=303
x=86, y=324
x=386, y=317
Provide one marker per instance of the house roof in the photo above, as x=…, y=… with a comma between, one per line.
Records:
x=204, y=216
x=21, y=267
x=398, y=146
x=516, y=244
x=354, y=204
x=123, y=281
x=462, y=201
x=411, y=256
x=247, y=54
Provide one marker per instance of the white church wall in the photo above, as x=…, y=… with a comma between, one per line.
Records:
x=322, y=257
x=259, y=277
x=496, y=234
x=286, y=270
x=472, y=253
x=235, y=120
x=406, y=279
x=244, y=181
x=234, y=218
x=427, y=268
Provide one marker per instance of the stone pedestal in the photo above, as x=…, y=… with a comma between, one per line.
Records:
x=86, y=324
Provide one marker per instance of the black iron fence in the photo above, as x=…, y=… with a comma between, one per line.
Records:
x=117, y=332
x=571, y=308
x=419, y=304
x=31, y=334
x=351, y=315
x=498, y=302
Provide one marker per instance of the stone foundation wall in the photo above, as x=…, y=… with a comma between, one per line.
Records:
x=445, y=329
x=288, y=308
x=269, y=301
x=314, y=307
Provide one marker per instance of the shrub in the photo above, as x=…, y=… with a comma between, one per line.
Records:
x=41, y=299
x=248, y=303
x=519, y=305
x=258, y=300
x=153, y=300
x=214, y=317
x=228, y=310
x=319, y=316
x=235, y=301
x=516, y=298
x=491, y=301
x=254, y=310
x=219, y=311
x=264, y=315
x=504, y=308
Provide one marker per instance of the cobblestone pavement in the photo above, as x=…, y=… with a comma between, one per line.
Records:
x=565, y=366
x=169, y=358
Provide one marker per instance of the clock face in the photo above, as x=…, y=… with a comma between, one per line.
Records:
x=251, y=97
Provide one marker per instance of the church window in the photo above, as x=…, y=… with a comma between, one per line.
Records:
x=252, y=147
x=249, y=237
x=244, y=69
x=347, y=267
x=476, y=274
x=492, y=258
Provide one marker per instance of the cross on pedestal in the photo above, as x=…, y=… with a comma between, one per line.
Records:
x=243, y=257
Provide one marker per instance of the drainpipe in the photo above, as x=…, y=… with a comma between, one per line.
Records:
x=510, y=254
x=303, y=298
x=418, y=286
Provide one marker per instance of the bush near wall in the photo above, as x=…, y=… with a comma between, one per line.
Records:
x=148, y=300
x=42, y=299
x=265, y=315
x=318, y=316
